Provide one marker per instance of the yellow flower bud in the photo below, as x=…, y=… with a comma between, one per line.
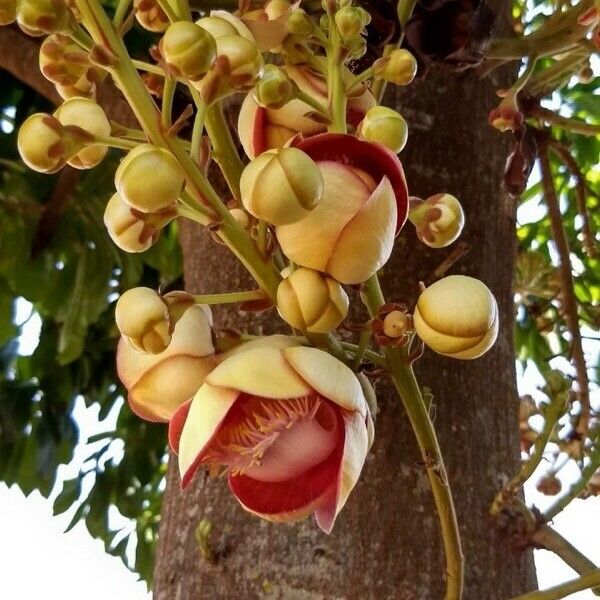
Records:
x=351, y=20
x=143, y=320
x=217, y=26
x=8, y=11
x=43, y=144
x=39, y=17
x=281, y=186
x=244, y=59
x=457, y=316
x=132, y=230
x=188, y=49
x=274, y=88
x=149, y=178
x=439, y=220
x=384, y=126
x=62, y=61
x=241, y=216
x=311, y=301
x=399, y=67
x=150, y=15
x=300, y=23
x=90, y=117
x=275, y=8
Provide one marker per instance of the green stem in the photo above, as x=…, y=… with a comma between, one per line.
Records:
x=198, y=128
x=168, y=94
x=120, y=13
x=312, y=102
x=230, y=297
x=584, y=582
x=168, y=10
x=115, y=142
x=336, y=93
x=224, y=149
x=129, y=82
x=142, y=65
x=363, y=343
x=412, y=399
x=366, y=74
x=79, y=36
x=261, y=239
x=573, y=125
x=554, y=410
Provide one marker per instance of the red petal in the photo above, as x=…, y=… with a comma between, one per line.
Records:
x=271, y=499
x=176, y=425
x=377, y=160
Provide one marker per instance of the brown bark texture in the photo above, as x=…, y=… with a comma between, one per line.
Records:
x=386, y=543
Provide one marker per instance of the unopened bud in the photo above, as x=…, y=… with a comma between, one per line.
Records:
x=39, y=17
x=132, y=230
x=351, y=20
x=8, y=11
x=150, y=15
x=241, y=217
x=43, y=143
x=399, y=67
x=188, y=50
x=276, y=8
x=88, y=116
x=585, y=74
x=311, y=301
x=457, y=316
x=217, y=26
x=281, y=186
x=149, y=178
x=550, y=485
x=300, y=23
x=438, y=220
x=385, y=126
x=244, y=60
x=274, y=88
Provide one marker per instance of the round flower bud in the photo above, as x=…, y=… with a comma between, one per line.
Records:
x=217, y=26
x=143, y=320
x=188, y=50
x=457, y=316
x=42, y=143
x=439, y=220
x=311, y=301
x=399, y=67
x=62, y=61
x=351, y=20
x=281, y=186
x=385, y=126
x=300, y=23
x=241, y=216
x=274, y=88
x=39, y=17
x=8, y=11
x=149, y=178
x=132, y=230
x=90, y=117
x=244, y=59
x=150, y=15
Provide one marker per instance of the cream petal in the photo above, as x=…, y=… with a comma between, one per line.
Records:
x=260, y=371
x=356, y=446
x=207, y=411
x=366, y=242
x=328, y=376
x=483, y=346
x=236, y=22
x=267, y=341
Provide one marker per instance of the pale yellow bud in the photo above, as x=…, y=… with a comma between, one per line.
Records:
x=439, y=220
x=274, y=89
x=188, y=49
x=351, y=20
x=399, y=67
x=132, y=230
x=90, y=117
x=281, y=186
x=457, y=316
x=384, y=126
x=245, y=62
x=311, y=301
x=300, y=23
x=150, y=15
x=8, y=11
x=149, y=178
x=143, y=320
x=217, y=26
x=276, y=8
x=43, y=144
x=241, y=216
x=39, y=17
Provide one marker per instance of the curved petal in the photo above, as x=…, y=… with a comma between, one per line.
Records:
x=261, y=372
x=270, y=34
x=206, y=413
x=355, y=452
x=266, y=341
x=486, y=342
x=328, y=376
x=176, y=425
x=375, y=159
x=377, y=217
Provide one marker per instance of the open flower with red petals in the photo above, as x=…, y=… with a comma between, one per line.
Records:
x=289, y=426
x=158, y=384
x=350, y=233
x=263, y=128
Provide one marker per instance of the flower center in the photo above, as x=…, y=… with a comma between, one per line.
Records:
x=274, y=440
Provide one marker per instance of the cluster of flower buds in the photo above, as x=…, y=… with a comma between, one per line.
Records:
x=438, y=220
x=48, y=142
x=457, y=316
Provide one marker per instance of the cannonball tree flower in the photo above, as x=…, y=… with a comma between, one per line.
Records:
x=457, y=316
x=261, y=128
x=290, y=427
x=350, y=233
x=158, y=384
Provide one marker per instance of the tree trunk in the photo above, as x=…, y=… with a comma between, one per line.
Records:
x=386, y=542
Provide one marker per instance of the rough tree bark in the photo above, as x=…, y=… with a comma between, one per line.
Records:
x=386, y=543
